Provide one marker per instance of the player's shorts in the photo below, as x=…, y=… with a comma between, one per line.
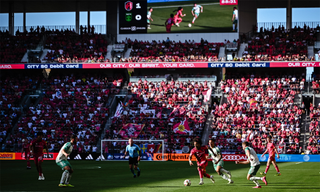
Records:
x=221, y=163
x=253, y=170
x=133, y=161
x=203, y=166
x=63, y=163
x=197, y=14
x=235, y=21
x=27, y=155
x=272, y=158
x=38, y=159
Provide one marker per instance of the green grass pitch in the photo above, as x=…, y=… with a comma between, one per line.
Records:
x=215, y=18
x=155, y=176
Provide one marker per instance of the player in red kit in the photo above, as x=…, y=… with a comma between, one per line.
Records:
x=26, y=152
x=200, y=152
x=271, y=148
x=37, y=146
x=177, y=19
x=169, y=22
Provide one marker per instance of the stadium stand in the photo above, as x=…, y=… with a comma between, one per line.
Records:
x=71, y=104
x=12, y=92
x=70, y=47
x=172, y=102
x=13, y=48
x=280, y=45
x=255, y=107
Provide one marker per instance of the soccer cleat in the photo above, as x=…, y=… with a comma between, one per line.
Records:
x=177, y=24
x=264, y=179
x=40, y=178
x=263, y=173
x=201, y=183
x=211, y=178
x=69, y=185
x=278, y=174
x=138, y=173
x=230, y=182
x=256, y=187
x=28, y=167
x=134, y=176
x=192, y=22
x=149, y=27
x=62, y=185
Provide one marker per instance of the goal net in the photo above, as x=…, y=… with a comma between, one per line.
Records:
x=114, y=149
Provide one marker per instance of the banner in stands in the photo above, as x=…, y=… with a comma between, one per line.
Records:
x=228, y=2
x=292, y=158
x=144, y=65
x=160, y=65
x=53, y=66
x=238, y=64
x=295, y=64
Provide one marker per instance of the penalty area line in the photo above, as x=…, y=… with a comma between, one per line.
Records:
x=299, y=163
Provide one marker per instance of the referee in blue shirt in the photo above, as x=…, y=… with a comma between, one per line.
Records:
x=134, y=156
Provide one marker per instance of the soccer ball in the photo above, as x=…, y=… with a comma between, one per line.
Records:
x=187, y=182
x=189, y=25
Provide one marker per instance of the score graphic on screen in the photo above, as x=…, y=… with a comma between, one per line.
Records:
x=133, y=16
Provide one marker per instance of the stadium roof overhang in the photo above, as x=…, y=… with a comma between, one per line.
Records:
x=101, y=5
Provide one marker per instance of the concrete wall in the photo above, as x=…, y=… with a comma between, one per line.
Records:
x=210, y=37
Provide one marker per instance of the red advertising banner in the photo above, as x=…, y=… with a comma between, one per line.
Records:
x=228, y=2
x=295, y=64
x=52, y=156
x=234, y=157
x=143, y=65
x=12, y=66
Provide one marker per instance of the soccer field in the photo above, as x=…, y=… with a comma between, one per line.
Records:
x=215, y=18
x=155, y=176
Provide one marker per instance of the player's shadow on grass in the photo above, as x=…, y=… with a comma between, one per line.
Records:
x=164, y=186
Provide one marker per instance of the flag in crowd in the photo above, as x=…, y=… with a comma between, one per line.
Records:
x=182, y=127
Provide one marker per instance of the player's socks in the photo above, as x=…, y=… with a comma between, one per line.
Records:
x=256, y=178
x=200, y=173
x=28, y=164
x=132, y=171
x=212, y=179
x=68, y=178
x=267, y=169
x=226, y=172
x=255, y=181
x=277, y=169
x=63, y=177
x=224, y=177
x=138, y=171
x=194, y=18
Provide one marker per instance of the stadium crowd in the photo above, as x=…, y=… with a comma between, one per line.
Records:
x=70, y=105
x=280, y=44
x=166, y=104
x=314, y=129
x=255, y=107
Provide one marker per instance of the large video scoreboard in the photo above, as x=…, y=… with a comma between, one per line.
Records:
x=190, y=16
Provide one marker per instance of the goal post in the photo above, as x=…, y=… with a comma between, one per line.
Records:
x=114, y=149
